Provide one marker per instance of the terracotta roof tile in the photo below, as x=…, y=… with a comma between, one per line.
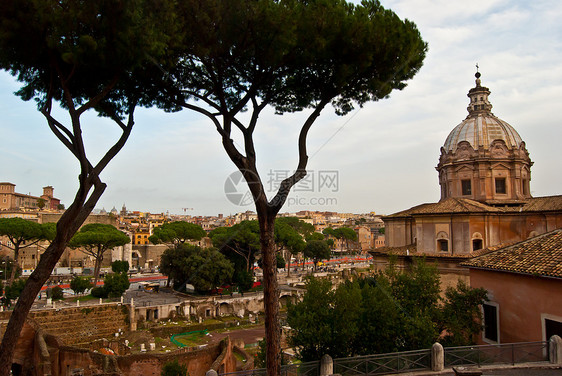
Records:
x=540, y=255
x=410, y=250
x=465, y=205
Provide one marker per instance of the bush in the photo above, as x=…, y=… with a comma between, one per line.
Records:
x=14, y=290
x=57, y=293
x=99, y=292
x=245, y=280
x=116, y=284
x=120, y=266
x=280, y=261
x=174, y=369
x=80, y=284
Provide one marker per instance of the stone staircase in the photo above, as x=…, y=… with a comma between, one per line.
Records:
x=80, y=326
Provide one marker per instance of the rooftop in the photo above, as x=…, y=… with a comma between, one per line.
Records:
x=464, y=205
x=540, y=255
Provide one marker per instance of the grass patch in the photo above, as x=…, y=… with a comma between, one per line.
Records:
x=84, y=298
x=190, y=339
x=239, y=357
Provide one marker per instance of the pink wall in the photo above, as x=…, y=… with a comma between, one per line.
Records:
x=523, y=302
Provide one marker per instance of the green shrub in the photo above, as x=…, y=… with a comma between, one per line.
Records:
x=174, y=369
x=99, y=292
x=14, y=290
x=57, y=293
x=120, y=266
x=116, y=284
x=80, y=284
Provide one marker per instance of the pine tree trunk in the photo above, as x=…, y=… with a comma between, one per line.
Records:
x=14, y=269
x=97, y=267
x=67, y=226
x=271, y=294
x=27, y=297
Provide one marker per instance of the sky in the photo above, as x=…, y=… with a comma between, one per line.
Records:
x=380, y=158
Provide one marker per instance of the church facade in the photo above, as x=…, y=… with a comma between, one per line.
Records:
x=484, y=173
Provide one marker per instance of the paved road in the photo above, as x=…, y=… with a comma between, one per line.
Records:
x=510, y=372
x=525, y=372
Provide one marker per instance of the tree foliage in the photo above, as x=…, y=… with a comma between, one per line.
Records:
x=82, y=56
x=80, y=284
x=41, y=203
x=393, y=311
x=120, y=266
x=459, y=319
x=342, y=233
x=317, y=250
x=289, y=235
x=115, y=284
x=245, y=281
x=57, y=293
x=239, y=243
x=239, y=57
x=14, y=290
x=177, y=233
x=95, y=239
x=23, y=234
x=204, y=268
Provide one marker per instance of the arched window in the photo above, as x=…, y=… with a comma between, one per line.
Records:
x=442, y=242
x=477, y=242
x=443, y=245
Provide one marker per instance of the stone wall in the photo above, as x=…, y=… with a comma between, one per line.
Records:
x=41, y=352
x=79, y=326
x=198, y=362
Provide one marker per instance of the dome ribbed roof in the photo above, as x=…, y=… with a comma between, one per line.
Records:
x=481, y=127
x=481, y=131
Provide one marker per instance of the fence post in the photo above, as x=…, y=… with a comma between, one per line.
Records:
x=326, y=365
x=211, y=372
x=437, y=357
x=555, y=350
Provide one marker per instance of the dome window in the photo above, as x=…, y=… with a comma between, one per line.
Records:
x=500, y=186
x=466, y=186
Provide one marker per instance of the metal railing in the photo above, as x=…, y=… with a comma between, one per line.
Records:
x=418, y=360
x=380, y=364
x=297, y=369
x=509, y=353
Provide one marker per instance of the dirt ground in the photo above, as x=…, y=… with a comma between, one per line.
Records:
x=248, y=335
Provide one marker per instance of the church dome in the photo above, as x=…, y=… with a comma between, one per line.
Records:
x=484, y=158
x=481, y=128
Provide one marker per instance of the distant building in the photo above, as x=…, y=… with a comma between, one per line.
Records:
x=11, y=200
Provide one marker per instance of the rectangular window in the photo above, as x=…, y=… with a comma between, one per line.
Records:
x=552, y=327
x=466, y=187
x=500, y=185
x=443, y=245
x=476, y=244
x=491, y=332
